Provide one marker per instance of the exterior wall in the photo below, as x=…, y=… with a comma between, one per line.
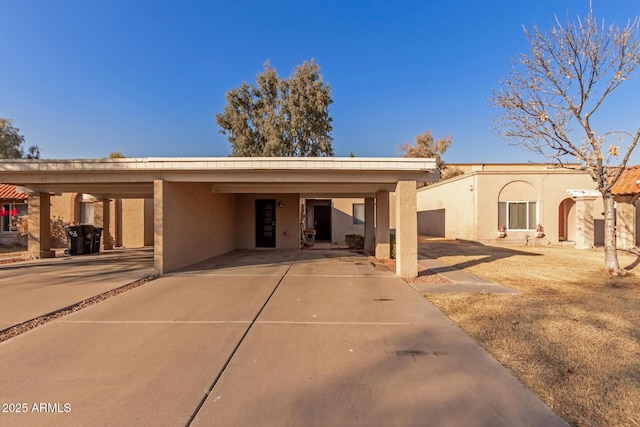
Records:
x=287, y=220
x=61, y=206
x=551, y=190
x=136, y=223
x=637, y=222
x=342, y=220
x=191, y=224
x=466, y=207
x=448, y=209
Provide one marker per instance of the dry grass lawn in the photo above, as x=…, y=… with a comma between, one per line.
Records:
x=572, y=336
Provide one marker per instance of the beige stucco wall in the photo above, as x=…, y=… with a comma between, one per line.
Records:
x=447, y=209
x=61, y=206
x=342, y=220
x=136, y=222
x=468, y=204
x=191, y=224
x=287, y=220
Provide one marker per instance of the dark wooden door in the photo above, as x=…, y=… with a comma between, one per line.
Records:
x=322, y=222
x=265, y=223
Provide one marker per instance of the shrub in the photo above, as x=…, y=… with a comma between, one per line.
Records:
x=354, y=241
x=57, y=233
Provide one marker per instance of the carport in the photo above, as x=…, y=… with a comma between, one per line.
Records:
x=204, y=207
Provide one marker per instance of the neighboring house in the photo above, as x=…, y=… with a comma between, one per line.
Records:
x=130, y=221
x=520, y=199
x=13, y=205
x=626, y=192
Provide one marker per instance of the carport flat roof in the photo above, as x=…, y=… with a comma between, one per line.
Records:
x=134, y=177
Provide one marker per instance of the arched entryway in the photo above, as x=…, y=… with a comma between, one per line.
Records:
x=567, y=220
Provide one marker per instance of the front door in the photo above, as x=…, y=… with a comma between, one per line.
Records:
x=322, y=222
x=265, y=223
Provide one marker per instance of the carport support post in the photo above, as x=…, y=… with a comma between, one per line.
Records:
x=158, y=225
x=103, y=220
x=369, y=226
x=39, y=240
x=406, y=229
x=383, y=248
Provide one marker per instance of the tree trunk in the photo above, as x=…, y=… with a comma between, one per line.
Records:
x=610, y=245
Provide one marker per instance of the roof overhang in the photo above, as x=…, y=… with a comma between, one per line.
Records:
x=134, y=177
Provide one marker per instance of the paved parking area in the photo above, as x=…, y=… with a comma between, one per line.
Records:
x=32, y=288
x=286, y=338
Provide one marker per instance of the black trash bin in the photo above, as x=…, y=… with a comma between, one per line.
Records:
x=75, y=239
x=88, y=238
x=97, y=233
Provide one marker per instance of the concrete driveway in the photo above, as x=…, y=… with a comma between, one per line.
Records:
x=32, y=288
x=286, y=338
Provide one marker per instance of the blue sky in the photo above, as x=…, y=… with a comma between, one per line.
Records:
x=84, y=78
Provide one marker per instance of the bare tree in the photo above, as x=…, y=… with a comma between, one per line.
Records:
x=562, y=83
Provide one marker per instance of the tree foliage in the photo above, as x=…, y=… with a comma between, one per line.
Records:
x=279, y=117
x=562, y=83
x=11, y=143
x=427, y=147
x=117, y=155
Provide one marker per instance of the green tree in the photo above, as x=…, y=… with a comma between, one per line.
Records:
x=560, y=85
x=11, y=143
x=117, y=155
x=279, y=117
x=427, y=147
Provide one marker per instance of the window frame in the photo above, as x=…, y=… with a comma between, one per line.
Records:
x=528, y=219
x=356, y=219
x=8, y=223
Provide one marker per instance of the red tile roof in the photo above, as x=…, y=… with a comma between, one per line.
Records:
x=627, y=183
x=8, y=192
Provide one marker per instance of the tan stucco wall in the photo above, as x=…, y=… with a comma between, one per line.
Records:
x=137, y=222
x=287, y=220
x=447, y=210
x=342, y=220
x=468, y=204
x=191, y=224
x=61, y=206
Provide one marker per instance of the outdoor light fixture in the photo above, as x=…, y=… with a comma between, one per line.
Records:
x=280, y=204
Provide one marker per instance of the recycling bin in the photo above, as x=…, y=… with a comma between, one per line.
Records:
x=88, y=238
x=75, y=239
x=95, y=246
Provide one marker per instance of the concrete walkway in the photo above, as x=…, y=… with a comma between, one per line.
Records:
x=286, y=338
x=461, y=281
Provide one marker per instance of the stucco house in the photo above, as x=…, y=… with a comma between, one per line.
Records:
x=204, y=207
x=514, y=203
x=130, y=220
x=626, y=192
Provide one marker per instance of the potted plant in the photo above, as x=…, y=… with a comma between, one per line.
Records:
x=502, y=231
x=539, y=231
